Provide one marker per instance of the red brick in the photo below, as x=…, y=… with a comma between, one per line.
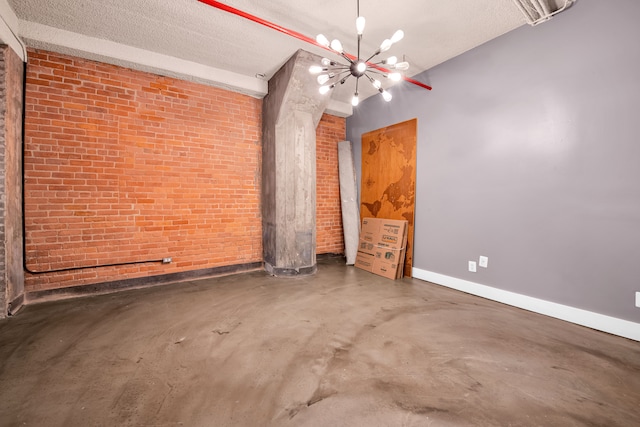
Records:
x=123, y=165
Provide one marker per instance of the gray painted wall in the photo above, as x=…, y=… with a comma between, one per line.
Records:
x=529, y=153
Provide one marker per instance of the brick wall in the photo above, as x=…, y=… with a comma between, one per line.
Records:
x=125, y=166
x=329, y=236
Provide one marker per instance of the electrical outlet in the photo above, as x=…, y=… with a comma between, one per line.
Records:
x=483, y=262
x=472, y=266
x=166, y=260
x=638, y=299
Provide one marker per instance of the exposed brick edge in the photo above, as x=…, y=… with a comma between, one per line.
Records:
x=138, y=282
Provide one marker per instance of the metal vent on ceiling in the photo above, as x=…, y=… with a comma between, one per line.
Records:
x=538, y=11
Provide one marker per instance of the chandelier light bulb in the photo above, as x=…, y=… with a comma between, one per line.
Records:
x=361, y=67
x=337, y=46
x=324, y=89
x=323, y=78
x=355, y=100
x=397, y=36
x=386, y=95
x=322, y=40
x=386, y=44
x=402, y=66
x=316, y=69
x=396, y=77
x=360, y=22
x=377, y=84
x=391, y=60
x=325, y=62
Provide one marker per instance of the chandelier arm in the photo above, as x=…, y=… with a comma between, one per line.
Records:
x=335, y=67
x=376, y=71
x=379, y=68
x=348, y=57
x=376, y=53
x=338, y=76
x=372, y=81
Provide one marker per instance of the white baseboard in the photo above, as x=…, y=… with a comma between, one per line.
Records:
x=611, y=325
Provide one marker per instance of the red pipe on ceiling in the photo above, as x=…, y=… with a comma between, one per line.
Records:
x=292, y=33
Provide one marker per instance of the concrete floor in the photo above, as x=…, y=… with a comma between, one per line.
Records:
x=340, y=348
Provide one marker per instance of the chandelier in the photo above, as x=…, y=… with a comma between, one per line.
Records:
x=331, y=73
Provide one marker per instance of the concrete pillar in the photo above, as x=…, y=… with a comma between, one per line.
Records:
x=11, y=271
x=291, y=112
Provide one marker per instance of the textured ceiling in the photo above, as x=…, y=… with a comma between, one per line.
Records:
x=435, y=30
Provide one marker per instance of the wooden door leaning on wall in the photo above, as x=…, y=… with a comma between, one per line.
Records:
x=389, y=177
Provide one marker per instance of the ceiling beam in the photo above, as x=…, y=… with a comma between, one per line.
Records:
x=9, y=24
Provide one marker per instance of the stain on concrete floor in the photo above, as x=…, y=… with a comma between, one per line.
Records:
x=340, y=348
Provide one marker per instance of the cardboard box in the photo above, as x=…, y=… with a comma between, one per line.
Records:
x=382, y=247
x=364, y=261
x=389, y=233
x=385, y=269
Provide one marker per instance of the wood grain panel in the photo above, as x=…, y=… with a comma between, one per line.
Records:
x=389, y=177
